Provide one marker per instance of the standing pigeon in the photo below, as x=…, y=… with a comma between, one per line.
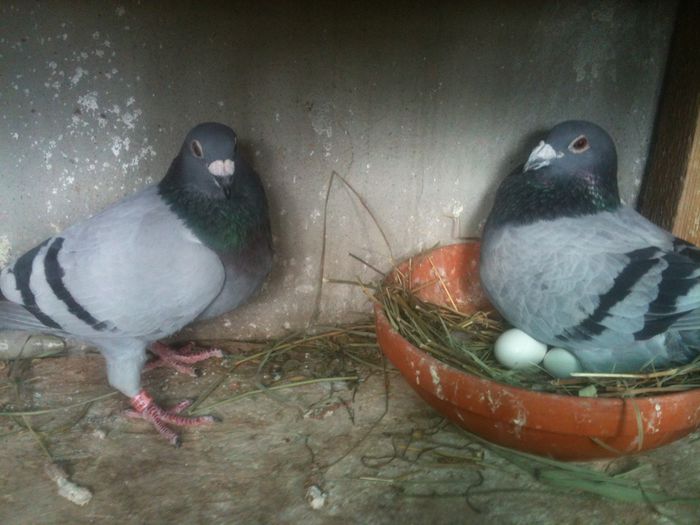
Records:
x=563, y=260
x=194, y=246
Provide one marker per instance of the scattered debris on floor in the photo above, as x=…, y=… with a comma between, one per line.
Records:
x=66, y=488
x=315, y=497
x=316, y=429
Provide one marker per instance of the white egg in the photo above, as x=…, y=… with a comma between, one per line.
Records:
x=561, y=363
x=515, y=349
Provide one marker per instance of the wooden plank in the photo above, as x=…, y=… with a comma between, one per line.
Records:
x=687, y=223
x=670, y=194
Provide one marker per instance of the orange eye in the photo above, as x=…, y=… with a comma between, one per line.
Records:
x=197, y=150
x=579, y=144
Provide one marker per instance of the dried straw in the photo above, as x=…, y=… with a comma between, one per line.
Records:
x=465, y=341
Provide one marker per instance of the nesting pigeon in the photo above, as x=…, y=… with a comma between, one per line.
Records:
x=563, y=260
x=194, y=246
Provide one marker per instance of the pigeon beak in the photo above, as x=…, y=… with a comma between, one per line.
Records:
x=223, y=174
x=225, y=183
x=541, y=156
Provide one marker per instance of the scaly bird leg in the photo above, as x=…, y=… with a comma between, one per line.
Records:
x=146, y=408
x=180, y=359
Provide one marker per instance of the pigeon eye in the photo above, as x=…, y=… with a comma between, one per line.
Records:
x=579, y=144
x=197, y=150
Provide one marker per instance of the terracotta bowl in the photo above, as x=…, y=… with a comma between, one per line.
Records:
x=558, y=426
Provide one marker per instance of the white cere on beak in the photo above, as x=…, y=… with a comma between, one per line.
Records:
x=541, y=156
x=221, y=168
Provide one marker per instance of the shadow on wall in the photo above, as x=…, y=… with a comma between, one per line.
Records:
x=253, y=152
x=507, y=165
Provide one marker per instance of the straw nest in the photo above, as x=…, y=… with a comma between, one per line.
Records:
x=466, y=342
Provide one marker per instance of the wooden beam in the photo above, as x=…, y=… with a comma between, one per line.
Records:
x=670, y=194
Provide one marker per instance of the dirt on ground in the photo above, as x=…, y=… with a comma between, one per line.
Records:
x=333, y=451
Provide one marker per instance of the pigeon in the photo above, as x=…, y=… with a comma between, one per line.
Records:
x=191, y=247
x=566, y=262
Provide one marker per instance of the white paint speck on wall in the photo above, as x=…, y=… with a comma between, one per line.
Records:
x=79, y=72
x=5, y=250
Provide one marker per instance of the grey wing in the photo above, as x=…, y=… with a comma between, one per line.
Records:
x=657, y=288
x=678, y=306
x=134, y=270
x=654, y=291
x=605, y=282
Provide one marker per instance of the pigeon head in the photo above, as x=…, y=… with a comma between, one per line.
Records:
x=578, y=154
x=213, y=189
x=577, y=148
x=572, y=172
x=209, y=157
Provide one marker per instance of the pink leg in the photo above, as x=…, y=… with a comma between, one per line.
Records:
x=180, y=359
x=146, y=408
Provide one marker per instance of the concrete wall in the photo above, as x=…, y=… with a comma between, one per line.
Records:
x=422, y=106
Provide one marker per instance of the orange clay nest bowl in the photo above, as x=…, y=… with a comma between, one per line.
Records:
x=560, y=426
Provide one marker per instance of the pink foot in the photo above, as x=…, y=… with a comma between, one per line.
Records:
x=180, y=359
x=146, y=408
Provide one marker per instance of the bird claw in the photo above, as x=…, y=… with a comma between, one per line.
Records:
x=180, y=359
x=146, y=408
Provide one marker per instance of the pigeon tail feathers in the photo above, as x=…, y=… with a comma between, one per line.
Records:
x=14, y=316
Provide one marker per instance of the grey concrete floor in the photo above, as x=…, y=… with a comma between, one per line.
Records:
x=259, y=464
